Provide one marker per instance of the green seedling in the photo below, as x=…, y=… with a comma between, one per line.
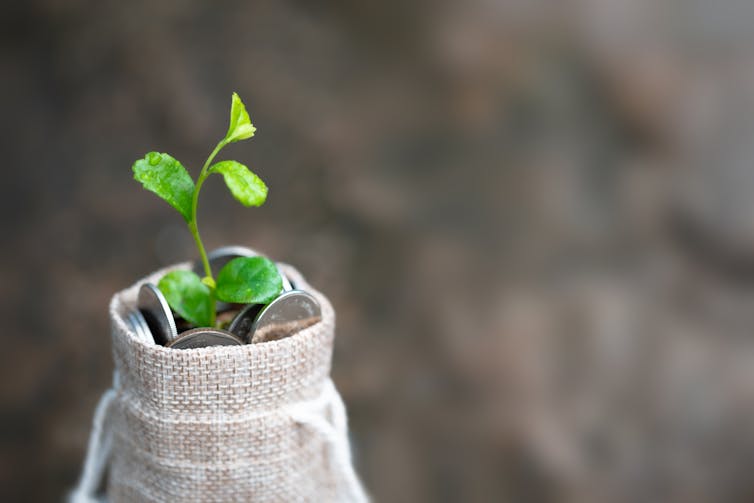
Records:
x=252, y=280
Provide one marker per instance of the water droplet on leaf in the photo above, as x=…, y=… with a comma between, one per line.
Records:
x=154, y=158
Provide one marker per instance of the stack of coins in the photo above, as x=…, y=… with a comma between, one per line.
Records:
x=293, y=310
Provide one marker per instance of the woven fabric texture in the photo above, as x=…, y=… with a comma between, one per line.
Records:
x=224, y=423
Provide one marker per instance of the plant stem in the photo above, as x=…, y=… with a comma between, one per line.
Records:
x=194, y=228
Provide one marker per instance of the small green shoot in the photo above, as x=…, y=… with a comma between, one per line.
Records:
x=242, y=280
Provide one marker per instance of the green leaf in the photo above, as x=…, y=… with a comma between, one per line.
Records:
x=245, y=186
x=249, y=280
x=240, y=127
x=188, y=296
x=167, y=178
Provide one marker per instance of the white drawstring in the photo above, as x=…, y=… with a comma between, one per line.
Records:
x=98, y=451
x=335, y=435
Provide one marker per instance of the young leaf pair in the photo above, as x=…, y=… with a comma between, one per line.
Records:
x=245, y=280
x=242, y=280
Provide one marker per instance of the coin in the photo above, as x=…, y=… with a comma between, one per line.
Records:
x=290, y=312
x=139, y=325
x=134, y=324
x=241, y=324
x=204, y=337
x=157, y=313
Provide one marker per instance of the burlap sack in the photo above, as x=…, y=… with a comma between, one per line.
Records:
x=259, y=422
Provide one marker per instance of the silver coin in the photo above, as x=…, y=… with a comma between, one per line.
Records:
x=157, y=313
x=146, y=334
x=139, y=325
x=241, y=324
x=134, y=324
x=204, y=337
x=290, y=312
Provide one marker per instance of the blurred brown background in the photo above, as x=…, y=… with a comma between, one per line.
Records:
x=535, y=221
